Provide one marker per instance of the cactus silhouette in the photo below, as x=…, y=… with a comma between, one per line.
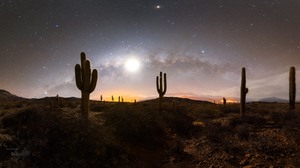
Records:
x=59, y=101
x=161, y=89
x=224, y=101
x=292, y=92
x=244, y=91
x=101, y=98
x=86, y=82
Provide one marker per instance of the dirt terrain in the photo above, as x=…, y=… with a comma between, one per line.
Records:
x=188, y=133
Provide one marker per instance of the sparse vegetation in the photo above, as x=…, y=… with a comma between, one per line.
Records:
x=134, y=135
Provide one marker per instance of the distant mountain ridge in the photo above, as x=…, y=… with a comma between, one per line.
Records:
x=273, y=99
x=5, y=95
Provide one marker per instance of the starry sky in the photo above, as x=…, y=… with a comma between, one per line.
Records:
x=201, y=45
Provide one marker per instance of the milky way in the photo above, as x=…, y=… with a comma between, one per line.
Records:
x=201, y=45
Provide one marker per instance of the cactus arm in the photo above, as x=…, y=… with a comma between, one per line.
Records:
x=165, y=84
x=83, y=58
x=94, y=80
x=78, y=76
x=160, y=84
x=157, y=85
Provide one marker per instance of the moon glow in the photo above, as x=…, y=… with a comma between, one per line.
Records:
x=132, y=65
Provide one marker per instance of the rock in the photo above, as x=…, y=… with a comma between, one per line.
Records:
x=243, y=162
x=248, y=166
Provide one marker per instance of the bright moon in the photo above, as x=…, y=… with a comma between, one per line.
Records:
x=132, y=65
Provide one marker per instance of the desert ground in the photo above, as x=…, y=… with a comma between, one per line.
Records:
x=186, y=134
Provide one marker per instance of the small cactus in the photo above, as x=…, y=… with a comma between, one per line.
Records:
x=112, y=98
x=57, y=99
x=101, y=98
x=161, y=89
x=224, y=101
x=86, y=82
x=244, y=91
x=292, y=88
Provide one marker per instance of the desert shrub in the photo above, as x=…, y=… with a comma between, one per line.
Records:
x=71, y=104
x=277, y=117
x=204, y=112
x=233, y=108
x=179, y=122
x=20, y=117
x=253, y=120
x=99, y=108
x=230, y=108
x=285, y=117
x=57, y=139
x=243, y=131
x=70, y=145
x=7, y=106
x=135, y=127
x=215, y=133
x=290, y=115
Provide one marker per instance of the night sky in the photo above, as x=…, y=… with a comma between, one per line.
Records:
x=201, y=45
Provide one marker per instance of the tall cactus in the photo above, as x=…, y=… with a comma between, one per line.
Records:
x=244, y=91
x=161, y=89
x=292, y=92
x=86, y=82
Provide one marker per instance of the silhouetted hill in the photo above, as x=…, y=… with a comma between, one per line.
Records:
x=5, y=95
x=178, y=100
x=273, y=99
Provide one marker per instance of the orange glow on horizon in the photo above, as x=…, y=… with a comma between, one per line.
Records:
x=228, y=101
x=127, y=97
